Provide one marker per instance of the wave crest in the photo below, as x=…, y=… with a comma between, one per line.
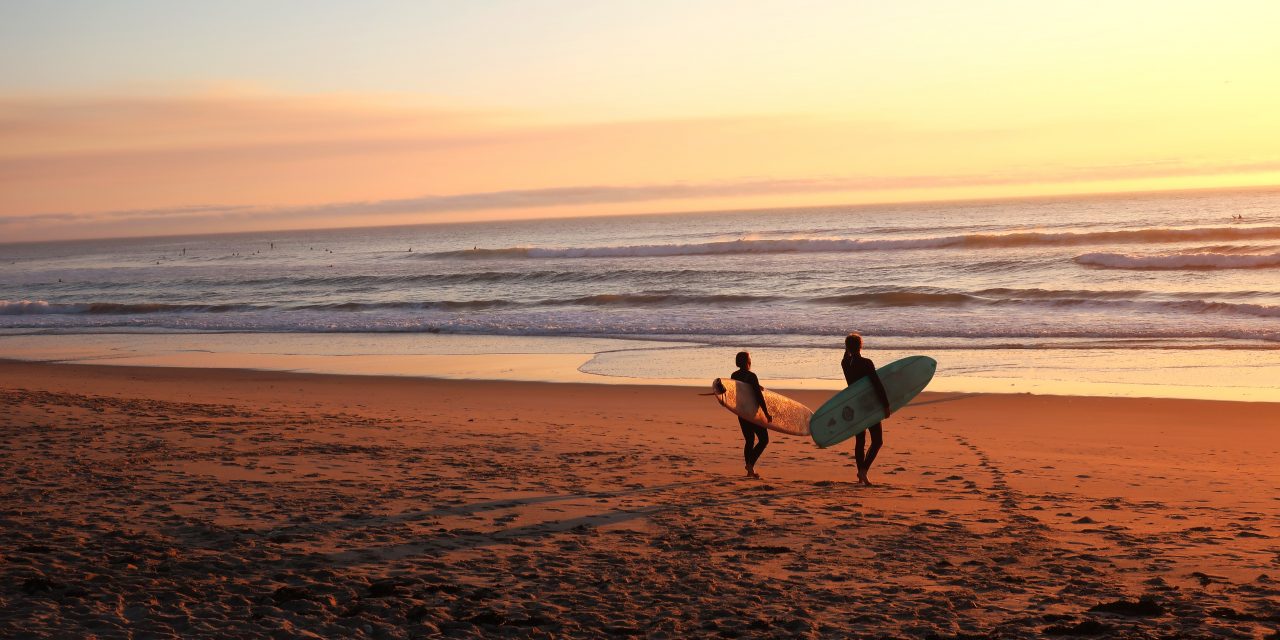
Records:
x=840, y=245
x=899, y=299
x=1180, y=261
x=42, y=307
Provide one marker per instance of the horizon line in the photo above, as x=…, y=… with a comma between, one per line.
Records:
x=863, y=205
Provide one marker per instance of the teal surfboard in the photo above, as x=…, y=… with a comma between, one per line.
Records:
x=856, y=408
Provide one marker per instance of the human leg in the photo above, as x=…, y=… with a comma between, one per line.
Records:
x=859, y=449
x=864, y=461
x=762, y=435
x=877, y=439
x=748, y=444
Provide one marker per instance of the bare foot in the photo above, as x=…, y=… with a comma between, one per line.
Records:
x=862, y=477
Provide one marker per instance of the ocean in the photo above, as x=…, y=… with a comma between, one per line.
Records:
x=1157, y=294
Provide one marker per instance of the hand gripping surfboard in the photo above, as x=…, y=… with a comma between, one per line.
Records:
x=789, y=416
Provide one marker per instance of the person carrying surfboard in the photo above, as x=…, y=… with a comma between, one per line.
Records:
x=856, y=368
x=751, y=451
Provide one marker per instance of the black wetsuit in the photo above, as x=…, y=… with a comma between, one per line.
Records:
x=751, y=431
x=856, y=368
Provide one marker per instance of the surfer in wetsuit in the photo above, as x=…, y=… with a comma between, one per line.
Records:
x=856, y=368
x=750, y=431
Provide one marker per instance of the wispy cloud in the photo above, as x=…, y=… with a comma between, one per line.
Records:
x=192, y=211
x=114, y=166
x=585, y=195
x=69, y=134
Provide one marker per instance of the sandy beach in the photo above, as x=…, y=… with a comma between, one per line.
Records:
x=153, y=502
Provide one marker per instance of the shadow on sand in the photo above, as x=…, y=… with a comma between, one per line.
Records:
x=958, y=396
x=453, y=541
x=468, y=509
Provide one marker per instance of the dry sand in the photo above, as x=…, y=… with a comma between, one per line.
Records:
x=151, y=502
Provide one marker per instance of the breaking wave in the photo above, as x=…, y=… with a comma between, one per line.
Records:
x=1025, y=299
x=1180, y=261
x=41, y=307
x=840, y=245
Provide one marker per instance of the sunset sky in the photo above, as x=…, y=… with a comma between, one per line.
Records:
x=133, y=118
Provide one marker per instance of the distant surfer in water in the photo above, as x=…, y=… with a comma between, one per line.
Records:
x=856, y=368
x=751, y=432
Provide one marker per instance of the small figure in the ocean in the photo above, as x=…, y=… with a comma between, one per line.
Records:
x=751, y=450
x=856, y=368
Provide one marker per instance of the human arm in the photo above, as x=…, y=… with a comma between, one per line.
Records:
x=881, y=393
x=857, y=368
x=759, y=391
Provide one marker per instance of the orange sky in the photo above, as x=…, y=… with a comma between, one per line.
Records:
x=599, y=110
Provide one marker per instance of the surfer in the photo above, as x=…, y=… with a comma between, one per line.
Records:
x=856, y=368
x=751, y=432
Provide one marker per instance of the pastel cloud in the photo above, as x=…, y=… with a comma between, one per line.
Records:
x=191, y=218
x=120, y=166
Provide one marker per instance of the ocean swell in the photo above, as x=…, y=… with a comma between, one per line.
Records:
x=42, y=307
x=1180, y=261
x=1013, y=299
x=841, y=245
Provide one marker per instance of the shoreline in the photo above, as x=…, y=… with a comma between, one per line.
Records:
x=1074, y=370
x=817, y=394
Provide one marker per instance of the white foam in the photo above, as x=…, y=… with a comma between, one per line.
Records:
x=1180, y=261
x=31, y=307
x=834, y=245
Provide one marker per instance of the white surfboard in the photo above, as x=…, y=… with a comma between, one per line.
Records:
x=789, y=416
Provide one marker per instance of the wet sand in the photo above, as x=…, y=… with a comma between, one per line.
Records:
x=152, y=502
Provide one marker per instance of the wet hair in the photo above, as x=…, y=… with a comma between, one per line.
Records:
x=853, y=342
x=742, y=358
